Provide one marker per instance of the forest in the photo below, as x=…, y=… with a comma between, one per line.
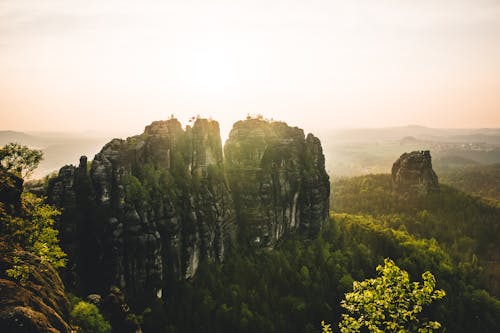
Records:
x=295, y=286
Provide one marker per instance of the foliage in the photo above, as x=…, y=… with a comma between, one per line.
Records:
x=87, y=317
x=326, y=328
x=33, y=231
x=480, y=180
x=37, y=233
x=390, y=302
x=19, y=159
x=19, y=271
x=469, y=234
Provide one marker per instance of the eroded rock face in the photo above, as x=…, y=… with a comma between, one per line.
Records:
x=37, y=306
x=149, y=210
x=278, y=180
x=413, y=172
x=11, y=187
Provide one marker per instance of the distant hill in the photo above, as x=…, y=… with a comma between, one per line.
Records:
x=486, y=135
x=353, y=152
x=19, y=137
x=58, y=148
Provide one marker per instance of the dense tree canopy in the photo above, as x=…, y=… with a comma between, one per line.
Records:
x=295, y=286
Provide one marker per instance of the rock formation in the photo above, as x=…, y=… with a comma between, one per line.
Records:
x=39, y=304
x=150, y=208
x=278, y=180
x=413, y=172
x=11, y=187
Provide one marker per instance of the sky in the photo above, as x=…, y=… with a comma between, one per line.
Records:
x=97, y=65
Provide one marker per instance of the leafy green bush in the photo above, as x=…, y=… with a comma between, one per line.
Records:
x=88, y=319
x=390, y=302
x=35, y=232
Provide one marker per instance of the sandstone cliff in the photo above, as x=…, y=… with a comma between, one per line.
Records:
x=147, y=210
x=39, y=303
x=413, y=173
x=278, y=180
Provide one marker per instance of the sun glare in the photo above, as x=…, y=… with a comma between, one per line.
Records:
x=207, y=70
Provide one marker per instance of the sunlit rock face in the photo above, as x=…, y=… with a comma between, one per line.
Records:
x=413, y=173
x=147, y=210
x=278, y=180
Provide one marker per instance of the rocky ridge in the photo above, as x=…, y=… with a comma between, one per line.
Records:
x=149, y=209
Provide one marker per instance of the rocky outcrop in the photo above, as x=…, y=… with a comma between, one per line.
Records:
x=39, y=305
x=278, y=180
x=148, y=210
x=11, y=187
x=413, y=173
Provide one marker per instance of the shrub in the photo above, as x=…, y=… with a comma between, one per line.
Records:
x=88, y=319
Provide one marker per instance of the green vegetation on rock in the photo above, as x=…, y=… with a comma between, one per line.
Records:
x=88, y=319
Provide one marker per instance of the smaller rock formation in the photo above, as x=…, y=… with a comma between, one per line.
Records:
x=413, y=172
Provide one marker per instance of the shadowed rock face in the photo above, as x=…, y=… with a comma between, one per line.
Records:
x=278, y=180
x=413, y=172
x=38, y=305
x=151, y=208
x=11, y=187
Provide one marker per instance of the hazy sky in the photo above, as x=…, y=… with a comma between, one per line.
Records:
x=118, y=65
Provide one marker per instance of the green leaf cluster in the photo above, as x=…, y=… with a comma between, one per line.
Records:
x=88, y=319
x=33, y=231
x=19, y=160
x=390, y=302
